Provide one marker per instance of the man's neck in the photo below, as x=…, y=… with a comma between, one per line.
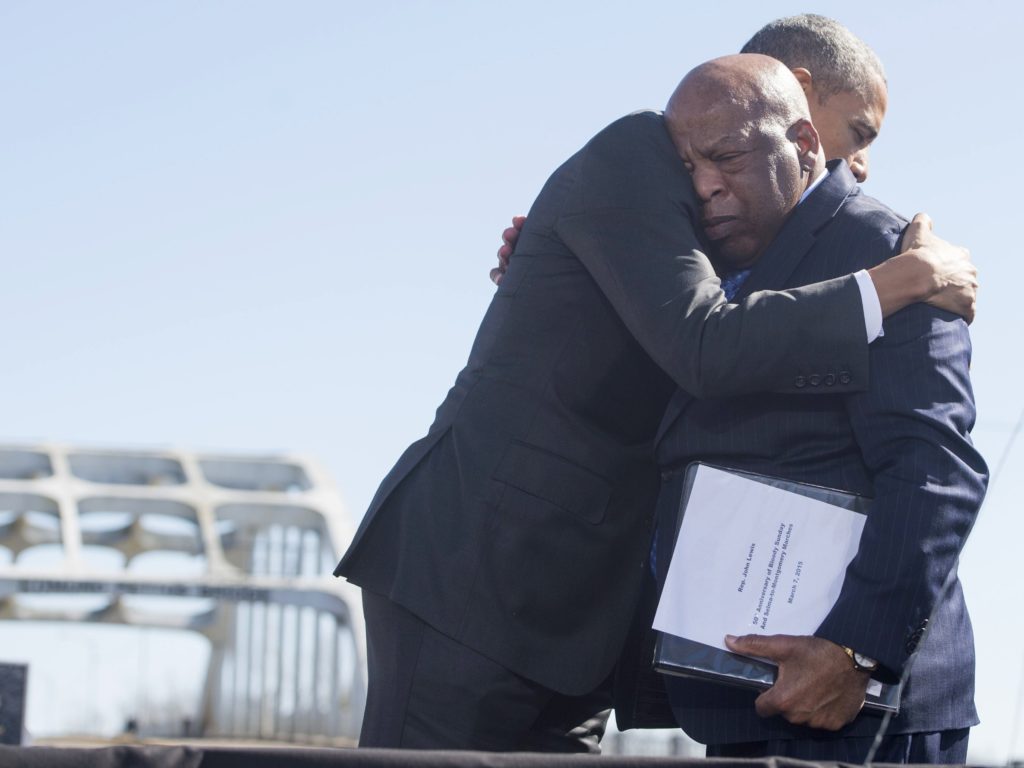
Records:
x=816, y=177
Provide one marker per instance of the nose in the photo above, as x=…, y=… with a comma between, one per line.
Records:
x=707, y=183
x=859, y=165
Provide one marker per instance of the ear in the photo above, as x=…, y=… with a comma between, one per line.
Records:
x=808, y=146
x=803, y=76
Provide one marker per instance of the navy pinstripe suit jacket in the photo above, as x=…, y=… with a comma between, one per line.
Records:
x=905, y=442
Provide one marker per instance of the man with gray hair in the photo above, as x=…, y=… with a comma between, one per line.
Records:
x=842, y=78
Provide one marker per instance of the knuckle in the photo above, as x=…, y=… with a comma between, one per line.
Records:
x=799, y=718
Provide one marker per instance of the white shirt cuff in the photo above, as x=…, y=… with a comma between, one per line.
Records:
x=872, y=307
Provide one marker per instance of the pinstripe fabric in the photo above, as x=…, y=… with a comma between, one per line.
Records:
x=904, y=441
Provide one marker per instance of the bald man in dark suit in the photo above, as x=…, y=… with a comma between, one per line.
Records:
x=904, y=442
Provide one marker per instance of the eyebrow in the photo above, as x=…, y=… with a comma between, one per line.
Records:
x=729, y=138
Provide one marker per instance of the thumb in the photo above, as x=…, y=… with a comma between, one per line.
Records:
x=923, y=220
x=772, y=647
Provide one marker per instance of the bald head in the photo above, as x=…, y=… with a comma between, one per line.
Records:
x=742, y=126
x=751, y=87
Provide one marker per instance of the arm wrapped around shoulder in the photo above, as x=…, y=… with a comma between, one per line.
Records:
x=665, y=290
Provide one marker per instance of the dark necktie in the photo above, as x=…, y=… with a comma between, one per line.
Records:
x=733, y=281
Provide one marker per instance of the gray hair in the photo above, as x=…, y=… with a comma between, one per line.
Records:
x=837, y=59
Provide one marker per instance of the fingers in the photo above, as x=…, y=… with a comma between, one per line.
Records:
x=969, y=308
x=499, y=271
x=815, y=684
x=767, y=704
x=827, y=709
x=972, y=285
x=971, y=300
x=775, y=702
x=960, y=297
x=510, y=235
x=773, y=647
x=508, y=245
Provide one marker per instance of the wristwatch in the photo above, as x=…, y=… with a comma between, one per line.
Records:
x=861, y=662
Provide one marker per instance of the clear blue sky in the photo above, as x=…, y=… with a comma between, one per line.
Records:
x=267, y=226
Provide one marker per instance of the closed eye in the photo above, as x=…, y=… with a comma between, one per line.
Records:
x=863, y=134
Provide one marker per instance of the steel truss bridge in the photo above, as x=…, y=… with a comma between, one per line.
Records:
x=286, y=639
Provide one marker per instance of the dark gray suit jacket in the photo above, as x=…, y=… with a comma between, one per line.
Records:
x=904, y=441
x=520, y=524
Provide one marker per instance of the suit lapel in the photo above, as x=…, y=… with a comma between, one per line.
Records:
x=798, y=233
x=784, y=254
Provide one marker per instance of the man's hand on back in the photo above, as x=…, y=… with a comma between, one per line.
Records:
x=956, y=277
x=816, y=685
x=930, y=270
x=508, y=245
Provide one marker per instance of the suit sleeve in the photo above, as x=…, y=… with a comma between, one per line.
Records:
x=912, y=426
x=667, y=294
x=629, y=220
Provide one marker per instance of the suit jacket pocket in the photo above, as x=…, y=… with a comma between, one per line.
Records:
x=555, y=479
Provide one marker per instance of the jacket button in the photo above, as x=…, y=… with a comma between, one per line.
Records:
x=830, y=379
x=845, y=377
x=799, y=382
x=914, y=638
x=814, y=380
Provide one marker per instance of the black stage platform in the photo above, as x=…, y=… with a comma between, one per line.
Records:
x=268, y=757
